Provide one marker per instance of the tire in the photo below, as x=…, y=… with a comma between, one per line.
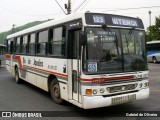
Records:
x=17, y=79
x=154, y=59
x=55, y=92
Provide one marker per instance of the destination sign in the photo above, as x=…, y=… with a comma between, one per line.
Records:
x=113, y=20
x=98, y=19
x=124, y=21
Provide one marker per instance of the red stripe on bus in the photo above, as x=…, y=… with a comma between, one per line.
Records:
x=107, y=79
x=47, y=71
x=8, y=56
x=18, y=58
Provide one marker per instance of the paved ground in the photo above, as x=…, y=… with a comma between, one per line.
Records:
x=25, y=97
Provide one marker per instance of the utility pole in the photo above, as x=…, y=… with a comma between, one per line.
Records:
x=68, y=7
x=149, y=18
x=13, y=26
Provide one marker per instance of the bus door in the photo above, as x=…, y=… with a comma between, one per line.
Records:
x=74, y=66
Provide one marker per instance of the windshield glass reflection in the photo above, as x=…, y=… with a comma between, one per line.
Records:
x=111, y=51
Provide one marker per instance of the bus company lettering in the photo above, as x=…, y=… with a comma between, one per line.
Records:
x=52, y=67
x=125, y=22
x=38, y=63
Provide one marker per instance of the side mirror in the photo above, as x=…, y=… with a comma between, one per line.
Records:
x=82, y=38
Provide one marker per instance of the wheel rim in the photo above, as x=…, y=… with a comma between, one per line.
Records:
x=154, y=60
x=56, y=91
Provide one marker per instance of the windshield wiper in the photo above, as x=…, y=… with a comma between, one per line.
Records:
x=105, y=27
x=129, y=37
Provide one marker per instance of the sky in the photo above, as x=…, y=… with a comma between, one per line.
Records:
x=20, y=12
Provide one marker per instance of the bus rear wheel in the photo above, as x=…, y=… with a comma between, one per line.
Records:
x=17, y=79
x=55, y=92
x=154, y=59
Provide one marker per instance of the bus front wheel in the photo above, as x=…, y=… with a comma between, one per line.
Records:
x=154, y=59
x=55, y=92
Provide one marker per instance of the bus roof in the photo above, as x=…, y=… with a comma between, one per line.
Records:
x=1, y=45
x=72, y=17
x=154, y=41
x=51, y=23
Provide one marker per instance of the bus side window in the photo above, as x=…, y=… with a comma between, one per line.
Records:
x=11, y=47
x=18, y=45
x=57, y=44
x=21, y=44
x=24, y=44
x=31, y=44
x=14, y=45
x=148, y=47
x=50, y=41
x=158, y=46
x=28, y=42
x=42, y=39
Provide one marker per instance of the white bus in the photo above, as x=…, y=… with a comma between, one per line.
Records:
x=88, y=59
x=153, y=51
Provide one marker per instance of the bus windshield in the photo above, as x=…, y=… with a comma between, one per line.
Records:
x=113, y=51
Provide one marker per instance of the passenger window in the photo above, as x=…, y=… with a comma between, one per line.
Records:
x=42, y=42
x=18, y=45
x=31, y=44
x=21, y=44
x=14, y=45
x=57, y=42
x=28, y=41
x=24, y=44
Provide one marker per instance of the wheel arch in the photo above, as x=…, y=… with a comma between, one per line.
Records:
x=154, y=58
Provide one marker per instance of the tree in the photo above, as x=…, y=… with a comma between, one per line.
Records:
x=153, y=32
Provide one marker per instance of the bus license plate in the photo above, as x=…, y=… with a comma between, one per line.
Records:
x=123, y=99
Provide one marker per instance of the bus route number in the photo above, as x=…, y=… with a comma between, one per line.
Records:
x=92, y=67
x=98, y=19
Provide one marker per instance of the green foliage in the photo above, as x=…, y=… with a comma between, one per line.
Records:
x=3, y=35
x=153, y=32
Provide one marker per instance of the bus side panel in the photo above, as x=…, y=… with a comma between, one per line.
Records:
x=42, y=83
x=158, y=57
x=8, y=62
x=8, y=65
x=64, y=91
x=31, y=78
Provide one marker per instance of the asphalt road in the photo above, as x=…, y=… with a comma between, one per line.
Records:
x=26, y=97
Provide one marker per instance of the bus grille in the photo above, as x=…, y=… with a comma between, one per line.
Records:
x=121, y=88
x=123, y=99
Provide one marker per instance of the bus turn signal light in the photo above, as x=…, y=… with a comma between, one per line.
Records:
x=88, y=91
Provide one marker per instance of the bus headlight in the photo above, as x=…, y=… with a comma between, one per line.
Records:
x=101, y=90
x=141, y=76
x=94, y=91
x=140, y=85
x=145, y=75
x=146, y=84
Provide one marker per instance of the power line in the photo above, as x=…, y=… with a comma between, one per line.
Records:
x=80, y=5
x=60, y=7
x=116, y=9
x=14, y=12
x=73, y=2
x=85, y=4
x=130, y=8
